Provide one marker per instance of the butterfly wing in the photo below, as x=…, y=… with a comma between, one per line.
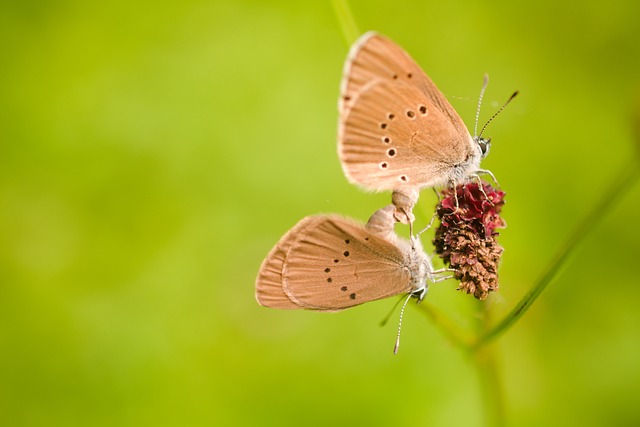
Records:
x=269, y=290
x=375, y=58
x=338, y=263
x=396, y=129
x=394, y=138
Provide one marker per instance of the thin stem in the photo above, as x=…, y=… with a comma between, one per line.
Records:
x=446, y=325
x=610, y=197
x=486, y=363
x=491, y=387
x=347, y=23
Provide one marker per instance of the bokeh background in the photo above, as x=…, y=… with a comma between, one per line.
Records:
x=151, y=153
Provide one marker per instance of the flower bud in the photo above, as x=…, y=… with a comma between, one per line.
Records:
x=466, y=237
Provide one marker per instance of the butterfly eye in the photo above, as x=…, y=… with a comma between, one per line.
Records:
x=485, y=145
x=420, y=294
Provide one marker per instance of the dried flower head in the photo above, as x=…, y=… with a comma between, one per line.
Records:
x=466, y=237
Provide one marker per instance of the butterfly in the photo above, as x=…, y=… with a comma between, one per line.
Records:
x=330, y=263
x=396, y=131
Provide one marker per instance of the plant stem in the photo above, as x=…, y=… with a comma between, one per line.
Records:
x=610, y=197
x=490, y=384
x=446, y=325
x=347, y=23
x=486, y=364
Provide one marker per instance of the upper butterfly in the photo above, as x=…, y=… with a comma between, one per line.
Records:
x=396, y=130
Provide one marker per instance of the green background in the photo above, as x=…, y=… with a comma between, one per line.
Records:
x=151, y=154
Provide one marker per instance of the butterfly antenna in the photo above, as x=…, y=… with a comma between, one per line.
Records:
x=430, y=223
x=498, y=112
x=388, y=316
x=484, y=87
x=395, y=348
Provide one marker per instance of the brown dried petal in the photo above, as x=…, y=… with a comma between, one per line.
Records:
x=466, y=237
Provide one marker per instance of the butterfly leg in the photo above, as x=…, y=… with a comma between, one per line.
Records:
x=487, y=172
x=410, y=224
x=480, y=186
x=444, y=270
x=454, y=185
x=430, y=223
x=438, y=275
x=442, y=278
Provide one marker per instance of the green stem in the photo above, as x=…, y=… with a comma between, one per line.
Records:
x=347, y=23
x=486, y=364
x=491, y=387
x=610, y=197
x=446, y=325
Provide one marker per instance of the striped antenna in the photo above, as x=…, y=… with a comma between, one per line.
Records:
x=498, y=112
x=397, y=346
x=484, y=87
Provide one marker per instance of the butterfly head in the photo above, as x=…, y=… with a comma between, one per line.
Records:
x=419, y=294
x=422, y=272
x=484, y=144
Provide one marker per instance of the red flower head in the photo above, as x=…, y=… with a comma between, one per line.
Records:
x=466, y=237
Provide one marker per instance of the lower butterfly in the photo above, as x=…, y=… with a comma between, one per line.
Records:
x=330, y=263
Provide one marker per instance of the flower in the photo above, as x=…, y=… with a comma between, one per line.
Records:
x=466, y=237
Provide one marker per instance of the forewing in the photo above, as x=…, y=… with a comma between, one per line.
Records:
x=375, y=58
x=337, y=263
x=393, y=137
x=269, y=283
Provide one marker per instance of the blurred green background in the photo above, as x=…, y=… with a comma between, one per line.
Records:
x=152, y=153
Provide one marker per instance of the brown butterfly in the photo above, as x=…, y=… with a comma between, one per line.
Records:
x=330, y=263
x=397, y=132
